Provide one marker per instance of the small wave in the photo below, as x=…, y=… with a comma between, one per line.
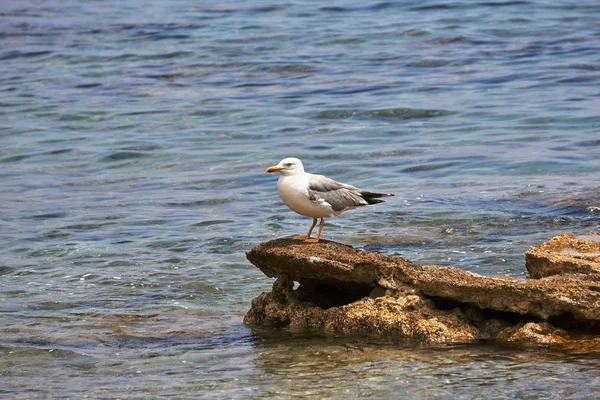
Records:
x=19, y=157
x=334, y=9
x=580, y=79
x=574, y=207
x=213, y=222
x=88, y=226
x=431, y=167
x=435, y=7
x=123, y=155
x=88, y=85
x=428, y=63
x=5, y=270
x=200, y=203
x=11, y=55
x=389, y=113
x=268, y=9
x=588, y=143
x=289, y=69
x=502, y=3
x=53, y=215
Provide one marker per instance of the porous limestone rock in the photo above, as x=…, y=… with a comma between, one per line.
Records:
x=565, y=254
x=575, y=296
x=542, y=333
x=328, y=261
x=345, y=291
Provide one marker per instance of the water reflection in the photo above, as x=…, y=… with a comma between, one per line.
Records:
x=333, y=368
x=194, y=351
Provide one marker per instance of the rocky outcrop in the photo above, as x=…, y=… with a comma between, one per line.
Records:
x=345, y=291
x=565, y=254
x=575, y=296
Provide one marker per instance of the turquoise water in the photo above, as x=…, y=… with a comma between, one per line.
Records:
x=133, y=143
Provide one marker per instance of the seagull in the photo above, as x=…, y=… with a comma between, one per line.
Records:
x=317, y=196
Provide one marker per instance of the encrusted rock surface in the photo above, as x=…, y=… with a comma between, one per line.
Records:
x=346, y=291
x=328, y=261
x=576, y=295
x=565, y=254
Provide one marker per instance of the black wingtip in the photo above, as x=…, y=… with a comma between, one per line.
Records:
x=371, y=195
x=372, y=198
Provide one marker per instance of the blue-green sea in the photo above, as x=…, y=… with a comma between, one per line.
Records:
x=134, y=138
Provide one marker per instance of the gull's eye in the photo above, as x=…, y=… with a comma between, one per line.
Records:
x=287, y=164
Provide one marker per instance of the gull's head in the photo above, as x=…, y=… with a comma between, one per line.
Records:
x=288, y=166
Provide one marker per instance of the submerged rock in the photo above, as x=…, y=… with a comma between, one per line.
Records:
x=346, y=291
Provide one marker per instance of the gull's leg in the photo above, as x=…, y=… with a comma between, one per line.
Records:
x=316, y=240
x=309, y=232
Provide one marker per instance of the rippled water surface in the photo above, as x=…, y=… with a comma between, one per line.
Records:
x=133, y=142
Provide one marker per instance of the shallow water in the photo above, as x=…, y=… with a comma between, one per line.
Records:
x=133, y=144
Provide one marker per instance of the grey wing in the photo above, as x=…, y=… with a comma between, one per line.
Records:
x=340, y=196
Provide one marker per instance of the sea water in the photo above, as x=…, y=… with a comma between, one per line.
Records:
x=134, y=137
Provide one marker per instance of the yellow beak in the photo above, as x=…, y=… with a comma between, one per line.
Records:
x=274, y=168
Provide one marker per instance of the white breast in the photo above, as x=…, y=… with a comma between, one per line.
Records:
x=293, y=190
